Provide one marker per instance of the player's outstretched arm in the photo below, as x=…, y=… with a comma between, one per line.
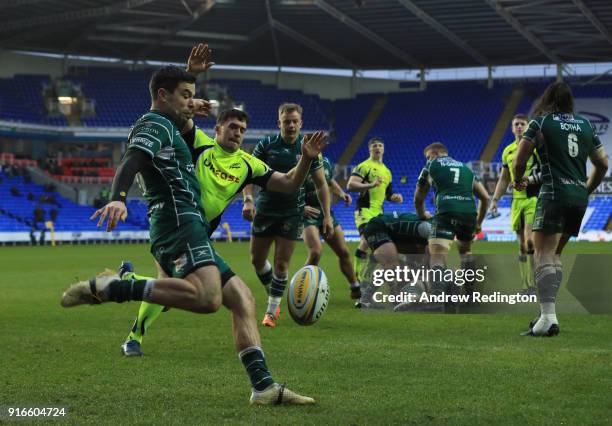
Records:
x=500, y=188
x=133, y=161
x=600, y=168
x=483, y=201
x=290, y=182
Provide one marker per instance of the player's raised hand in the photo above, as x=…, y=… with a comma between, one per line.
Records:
x=199, y=59
x=113, y=212
x=201, y=107
x=396, y=198
x=313, y=144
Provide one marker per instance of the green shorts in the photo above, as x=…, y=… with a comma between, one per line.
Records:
x=377, y=234
x=318, y=222
x=186, y=249
x=289, y=227
x=448, y=225
x=523, y=212
x=557, y=217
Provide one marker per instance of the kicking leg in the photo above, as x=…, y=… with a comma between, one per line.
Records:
x=198, y=292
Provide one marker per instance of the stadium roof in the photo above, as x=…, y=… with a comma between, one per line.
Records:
x=353, y=34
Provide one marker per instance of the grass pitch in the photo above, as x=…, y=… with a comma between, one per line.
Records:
x=362, y=368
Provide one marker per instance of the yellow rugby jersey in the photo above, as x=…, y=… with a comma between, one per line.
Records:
x=508, y=156
x=375, y=197
x=224, y=174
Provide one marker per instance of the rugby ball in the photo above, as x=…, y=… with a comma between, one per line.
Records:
x=308, y=295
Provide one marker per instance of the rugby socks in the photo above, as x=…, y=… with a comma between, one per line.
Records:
x=147, y=314
x=523, y=268
x=277, y=288
x=125, y=290
x=254, y=362
x=547, y=284
x=148, y=286
x=265, y=274
x=359, y=261
x=530, y=269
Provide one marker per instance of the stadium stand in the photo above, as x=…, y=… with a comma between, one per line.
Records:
x=21, y=100
x=17, y=211
x=460, y=114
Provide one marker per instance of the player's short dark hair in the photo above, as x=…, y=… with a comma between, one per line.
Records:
x=289, y=107
x=228, y=114
x=521, y=116
x=438, y=146
x=168, y=78
x=556, y=98
x=375, y=140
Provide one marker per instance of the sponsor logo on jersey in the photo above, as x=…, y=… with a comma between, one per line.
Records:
x=567, y=118
x=142, y=141
x=235, y=166
x=221, y=174
x=148, y=129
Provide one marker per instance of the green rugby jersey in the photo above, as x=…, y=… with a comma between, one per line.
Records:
x=453, y=183
x=568, y=140
x=281, y=156
x=401, y=225
x=169, y=183
x=310, y=189
x=224, y=174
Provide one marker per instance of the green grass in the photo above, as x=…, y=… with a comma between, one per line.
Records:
x=362, y=368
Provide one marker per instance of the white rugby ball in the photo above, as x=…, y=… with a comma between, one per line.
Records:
x=308, y=295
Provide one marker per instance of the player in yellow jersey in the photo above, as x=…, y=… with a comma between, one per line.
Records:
x=372, y=179
x=523, y=201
